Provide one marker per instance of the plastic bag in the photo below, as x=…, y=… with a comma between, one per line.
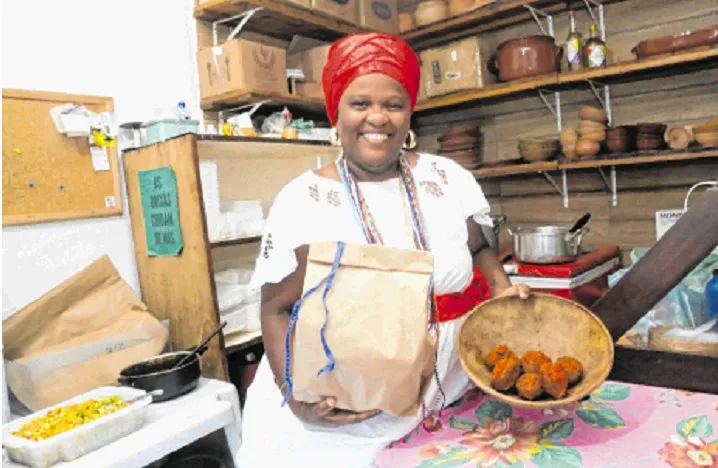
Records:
x=683, y=306
x=277, y=122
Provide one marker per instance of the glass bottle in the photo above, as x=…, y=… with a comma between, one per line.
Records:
x=573, y=50
x=595, y=49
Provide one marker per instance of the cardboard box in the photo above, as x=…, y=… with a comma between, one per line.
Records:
x=308, y=55
x=379, y=15
x=310, y=90
x=242, y=64
x=344, y=10
x=460, y=66
x=304, y=3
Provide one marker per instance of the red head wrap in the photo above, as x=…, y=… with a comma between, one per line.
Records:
x=362, y=54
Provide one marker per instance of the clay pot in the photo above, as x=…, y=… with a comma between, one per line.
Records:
x=677, y=42
x=527, y=56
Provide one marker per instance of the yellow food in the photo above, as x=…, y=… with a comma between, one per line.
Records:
x=65, y=418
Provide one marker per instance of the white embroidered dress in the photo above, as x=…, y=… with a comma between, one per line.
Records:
x=313, y=209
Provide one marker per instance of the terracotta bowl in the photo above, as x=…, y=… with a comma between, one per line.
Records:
x=595, y=114
x=549, y=323
x=590, y=125
x=587, y=148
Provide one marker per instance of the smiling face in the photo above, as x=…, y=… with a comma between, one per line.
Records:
x=373, y=122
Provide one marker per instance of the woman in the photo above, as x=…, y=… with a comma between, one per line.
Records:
x=371, y=83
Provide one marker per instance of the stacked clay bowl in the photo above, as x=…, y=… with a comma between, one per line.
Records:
x=707, y=134
x=621, y=139
x=591, y=131
x=649, y=136
x=463, y=144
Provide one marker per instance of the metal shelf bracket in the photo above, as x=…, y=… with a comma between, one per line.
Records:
x=595, y=9
x=244, y=17
x=563, y=190
x=610, y=186
x=538, y=14
x=603, y=95
x=555, y=108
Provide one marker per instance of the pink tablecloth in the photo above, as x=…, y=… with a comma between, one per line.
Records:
x=620, y=425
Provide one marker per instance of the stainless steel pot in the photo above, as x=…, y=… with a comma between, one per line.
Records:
x=546, y=244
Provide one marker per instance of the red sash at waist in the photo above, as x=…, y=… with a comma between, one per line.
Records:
x=453, y=306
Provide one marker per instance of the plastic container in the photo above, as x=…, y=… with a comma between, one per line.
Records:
x=712, y=296
x=81, y=440
x=161, y=130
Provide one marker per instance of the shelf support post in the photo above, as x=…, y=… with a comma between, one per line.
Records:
x=605, y=99
x=537, y=14
x=590, y=4
x=554, y=108
x=610, y=186
x=561, y=191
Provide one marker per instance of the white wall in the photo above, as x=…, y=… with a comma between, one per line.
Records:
x=141, y=53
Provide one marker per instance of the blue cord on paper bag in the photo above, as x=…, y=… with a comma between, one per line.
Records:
x=329, y=280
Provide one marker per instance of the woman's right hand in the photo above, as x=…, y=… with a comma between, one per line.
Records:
x=324, y=413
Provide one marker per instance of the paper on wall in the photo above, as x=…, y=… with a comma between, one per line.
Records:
x=665, y=219
x=100, y=161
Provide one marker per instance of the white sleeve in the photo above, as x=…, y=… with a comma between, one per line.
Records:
x=473, y=201
x=281, y=236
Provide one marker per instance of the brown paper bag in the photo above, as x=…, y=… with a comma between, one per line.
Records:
x=377, y=329
x=78, y=336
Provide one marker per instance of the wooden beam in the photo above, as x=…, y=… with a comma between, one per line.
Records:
x=680, y=249
x=664, y=369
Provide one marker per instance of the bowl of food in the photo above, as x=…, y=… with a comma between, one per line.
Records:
x=539, y=353
x=73, y=428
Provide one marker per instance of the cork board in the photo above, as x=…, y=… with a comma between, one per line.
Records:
x=47, y=176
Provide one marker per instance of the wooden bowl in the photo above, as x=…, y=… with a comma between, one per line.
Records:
x=587, y=148
x=546, y=322
x=406, y=22
x=593, y=136
x=708, y=138
x=430, y=11
x=595, y=114
x=590, y=126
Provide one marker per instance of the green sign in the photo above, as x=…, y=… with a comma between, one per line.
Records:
x=160, y=210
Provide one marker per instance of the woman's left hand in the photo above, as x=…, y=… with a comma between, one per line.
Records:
x=521, y=290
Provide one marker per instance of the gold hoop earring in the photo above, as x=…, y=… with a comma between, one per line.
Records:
x=411, y=143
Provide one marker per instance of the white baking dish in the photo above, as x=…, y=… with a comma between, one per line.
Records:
x=83, y=439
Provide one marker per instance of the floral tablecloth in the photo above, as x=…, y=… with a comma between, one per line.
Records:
x=619, y=425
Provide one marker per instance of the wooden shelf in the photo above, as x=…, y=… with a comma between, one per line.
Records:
x=498, y=14
x=643, y=159
x=237, y=241
x=558, y=79
x=515, y=169
x=533, y=168
x=259, y=139
x=241, y=97
x=281, y=19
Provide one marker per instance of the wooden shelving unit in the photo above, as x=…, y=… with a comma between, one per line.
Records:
x=239, y=98
x=281, y=19
x=182, y=288
x=539, y=167
x=495, y=15
x=622, y=70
